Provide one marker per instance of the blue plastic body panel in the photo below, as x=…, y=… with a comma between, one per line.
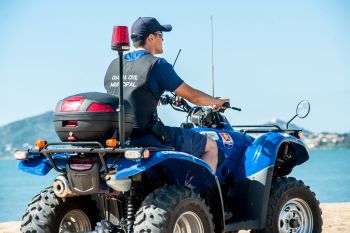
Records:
x=244, y=156
x=126, y=168
x=177, y=168
x=262, y=154
x=232, y=144
x=40, y=165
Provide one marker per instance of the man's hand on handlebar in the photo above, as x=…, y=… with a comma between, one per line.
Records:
x=221, y=103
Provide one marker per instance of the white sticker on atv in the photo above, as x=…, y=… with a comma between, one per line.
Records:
x=174, y=152
x=227, y=140
x=211, y=134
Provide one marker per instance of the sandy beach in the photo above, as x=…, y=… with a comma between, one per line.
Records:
x=336, y=219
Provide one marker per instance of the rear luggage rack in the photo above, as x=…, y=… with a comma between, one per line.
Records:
x=89, y=148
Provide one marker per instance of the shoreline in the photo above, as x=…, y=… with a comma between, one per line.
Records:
x=335, y=219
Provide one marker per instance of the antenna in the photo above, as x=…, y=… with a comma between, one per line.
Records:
x=177, y=57
x=212, y=56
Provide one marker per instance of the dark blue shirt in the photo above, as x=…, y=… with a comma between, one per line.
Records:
x=162, y=76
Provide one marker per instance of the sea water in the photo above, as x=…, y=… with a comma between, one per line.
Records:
x=326, y=172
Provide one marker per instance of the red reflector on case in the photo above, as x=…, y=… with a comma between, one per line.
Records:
x=81, y=165
x=72, y=104
x=94, y=107
x=70, y=124
x=72, y=138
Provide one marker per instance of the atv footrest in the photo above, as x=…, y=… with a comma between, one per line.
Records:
x=242, y=225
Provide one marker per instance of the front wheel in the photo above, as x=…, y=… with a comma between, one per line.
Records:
x=48, y=213
x=173, y=209
x=292, y=207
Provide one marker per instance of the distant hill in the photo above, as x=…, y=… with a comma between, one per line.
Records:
x=283, y=125
x=324, y=140
x=23, y=134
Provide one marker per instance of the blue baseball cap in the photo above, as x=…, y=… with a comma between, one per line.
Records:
x=145, y=26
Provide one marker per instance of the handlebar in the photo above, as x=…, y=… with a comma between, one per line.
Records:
x=180, y=104
x=198, y=115
x=164, y=99
x=176, y=102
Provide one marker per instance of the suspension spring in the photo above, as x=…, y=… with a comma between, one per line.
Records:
x=130, y=212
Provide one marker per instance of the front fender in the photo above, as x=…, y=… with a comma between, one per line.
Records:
x=262, y=153
x=255, y=172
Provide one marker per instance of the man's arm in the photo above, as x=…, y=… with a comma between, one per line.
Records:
x=198, y=97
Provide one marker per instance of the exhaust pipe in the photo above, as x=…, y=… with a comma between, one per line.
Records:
x=61, y=187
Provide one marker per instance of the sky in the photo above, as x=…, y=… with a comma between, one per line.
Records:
x=268, y=55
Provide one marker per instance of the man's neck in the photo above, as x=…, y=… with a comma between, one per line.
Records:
x=149, y=49
x=137, y=49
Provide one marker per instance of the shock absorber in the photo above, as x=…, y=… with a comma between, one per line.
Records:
x=130, y=211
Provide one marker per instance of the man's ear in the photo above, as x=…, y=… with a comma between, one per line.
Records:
x=151, y=37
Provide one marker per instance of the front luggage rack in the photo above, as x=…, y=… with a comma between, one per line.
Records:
x=268, y=128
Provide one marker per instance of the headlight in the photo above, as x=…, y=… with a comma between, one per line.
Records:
x=133, y=154
x=21, y=154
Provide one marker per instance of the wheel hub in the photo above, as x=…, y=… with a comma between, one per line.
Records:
x=188, y=222
x=295, y=217
x=75, y=221
x=294, y=223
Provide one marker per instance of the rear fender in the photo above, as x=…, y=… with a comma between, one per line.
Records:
x=40, y=165
x=177, y=168
x=126, y=167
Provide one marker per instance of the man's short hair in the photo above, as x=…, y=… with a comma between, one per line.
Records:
x=140, y=43
x=144, y=26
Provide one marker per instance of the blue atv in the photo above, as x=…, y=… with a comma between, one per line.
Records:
x=105, y=187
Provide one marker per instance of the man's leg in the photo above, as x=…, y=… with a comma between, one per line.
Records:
x=201, y=146
x=211, y=154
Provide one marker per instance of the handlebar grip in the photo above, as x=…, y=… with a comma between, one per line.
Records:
x=238, y=109
x=227, y=105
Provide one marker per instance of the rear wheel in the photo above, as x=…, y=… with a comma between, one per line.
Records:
x=48, y=213
x=173, y=209
x=292, y=207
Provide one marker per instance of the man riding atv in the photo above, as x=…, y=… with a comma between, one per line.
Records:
x=146, y=77
x=143, y=184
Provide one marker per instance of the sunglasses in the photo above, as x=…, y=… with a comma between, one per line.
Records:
x=160, y=34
